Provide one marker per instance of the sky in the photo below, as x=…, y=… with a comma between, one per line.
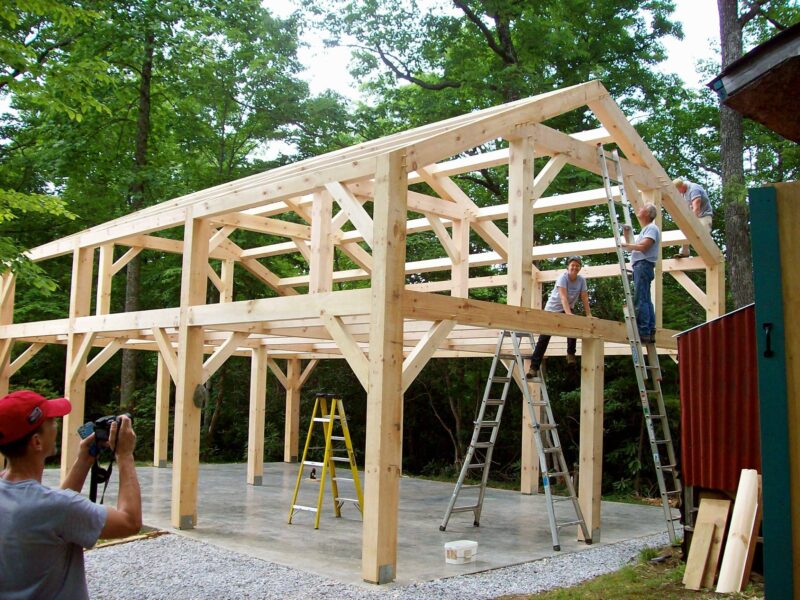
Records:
x=327, y=67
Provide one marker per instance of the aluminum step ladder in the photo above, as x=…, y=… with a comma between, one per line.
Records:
x=333, y=453
x=647, y=367
x=552, y=464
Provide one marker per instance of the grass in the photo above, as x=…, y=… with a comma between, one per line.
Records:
x=646, y=579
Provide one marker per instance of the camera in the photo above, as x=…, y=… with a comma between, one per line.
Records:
x=102, y=430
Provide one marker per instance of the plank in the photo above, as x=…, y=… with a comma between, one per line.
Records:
x=713, y=510
x=698, y=555
x=744, y=515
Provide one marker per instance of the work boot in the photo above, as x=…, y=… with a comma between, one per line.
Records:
x=533, y=371
x=680, y=255
x=571, y=360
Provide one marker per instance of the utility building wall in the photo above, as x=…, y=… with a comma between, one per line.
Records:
x=719, y=401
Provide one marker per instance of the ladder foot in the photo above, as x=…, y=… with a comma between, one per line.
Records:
x=442, y=527
x=557, y=548
x=588, y=542
x=476, y=523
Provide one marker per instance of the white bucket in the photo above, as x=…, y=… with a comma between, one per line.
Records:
x=460, y=552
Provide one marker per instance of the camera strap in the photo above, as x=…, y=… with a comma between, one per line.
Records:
x=100, y=475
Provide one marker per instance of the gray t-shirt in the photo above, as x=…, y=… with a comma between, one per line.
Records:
x=43, y=532
x=695, y=191
x=574, y=289
x=648, y=231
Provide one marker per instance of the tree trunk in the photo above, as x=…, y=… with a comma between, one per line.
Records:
x=734, y=197
x=135, y=202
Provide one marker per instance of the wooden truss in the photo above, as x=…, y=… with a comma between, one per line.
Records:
x=356, y=204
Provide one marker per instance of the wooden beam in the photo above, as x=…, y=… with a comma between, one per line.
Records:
x=227, y=271
x=444, y=238
x=103, y=357
x=546, y=176
x=215, y=279
x=424, y=350
x=690, y=286
x=167, y=352
x=255, y=429
x=221, y=354
x=123, y=260
x=279, y=374
x=352, y=207
x=27, y=354
x=267, y=276
x=264, y=225
x=161, y=434
x=349, y=347
x=312, y=364
x=591, y=435
x=186, y=447
x=383, y=457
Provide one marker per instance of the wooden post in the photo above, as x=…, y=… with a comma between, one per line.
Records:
x=161, y=435
x=258, y=400
x=460, y=272
x=75, y=378
x=321, y=268
x=226, y=275
x=529, y=458
x=715, y=291
x=383, y=460
x=520, y=221
x=291, y=436
x=7, y=288
x=591, y=435
x=186, y=446
x=657, y=287
x=105, y=275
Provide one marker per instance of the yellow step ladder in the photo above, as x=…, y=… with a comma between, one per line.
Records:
x=332, y=455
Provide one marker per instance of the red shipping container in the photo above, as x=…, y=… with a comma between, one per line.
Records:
x=719, y=401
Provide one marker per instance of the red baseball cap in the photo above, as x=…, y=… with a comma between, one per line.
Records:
x=23, y=411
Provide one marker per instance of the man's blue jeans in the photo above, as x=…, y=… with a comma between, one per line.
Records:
x=643, y=274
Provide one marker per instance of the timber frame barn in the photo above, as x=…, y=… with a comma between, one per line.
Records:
x=386, y=332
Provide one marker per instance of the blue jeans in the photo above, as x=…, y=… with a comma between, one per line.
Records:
x=643, y=274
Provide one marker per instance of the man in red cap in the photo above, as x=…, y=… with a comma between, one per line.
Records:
x=43, y=531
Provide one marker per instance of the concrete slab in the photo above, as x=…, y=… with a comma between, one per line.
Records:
x=252, y=520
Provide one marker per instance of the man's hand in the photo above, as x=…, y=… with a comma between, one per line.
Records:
x=123, y=437
x=84, y=450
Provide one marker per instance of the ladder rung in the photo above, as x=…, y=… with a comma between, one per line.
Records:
x=487, y=423
x=553, y=474
x=569, y=523
x=353, y=500
x=538, y=403
x=655, y=416
x=476, y=465
x=308, y=508
x=671, y=492
x=546, y=426
x=343, y=479
x=457, y=509
x=562, y=499
x=483, y=445
x=340, y=459
x=471, y=486
x=667, y=467
x=338, y=438
x=552, y=450
x=501, y=379
x=494, y=402
x=507, y=356
x=311, y=463
x=324, y=419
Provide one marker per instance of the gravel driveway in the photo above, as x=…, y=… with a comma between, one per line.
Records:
x=175, y=567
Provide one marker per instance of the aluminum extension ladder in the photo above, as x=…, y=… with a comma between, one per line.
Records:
x=328, y=417
x=648, y=370
x=545, y=431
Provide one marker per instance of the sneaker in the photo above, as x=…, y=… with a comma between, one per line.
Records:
x=533, y=371
x=571, y=360
x=680, y=255
x=647, y=339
